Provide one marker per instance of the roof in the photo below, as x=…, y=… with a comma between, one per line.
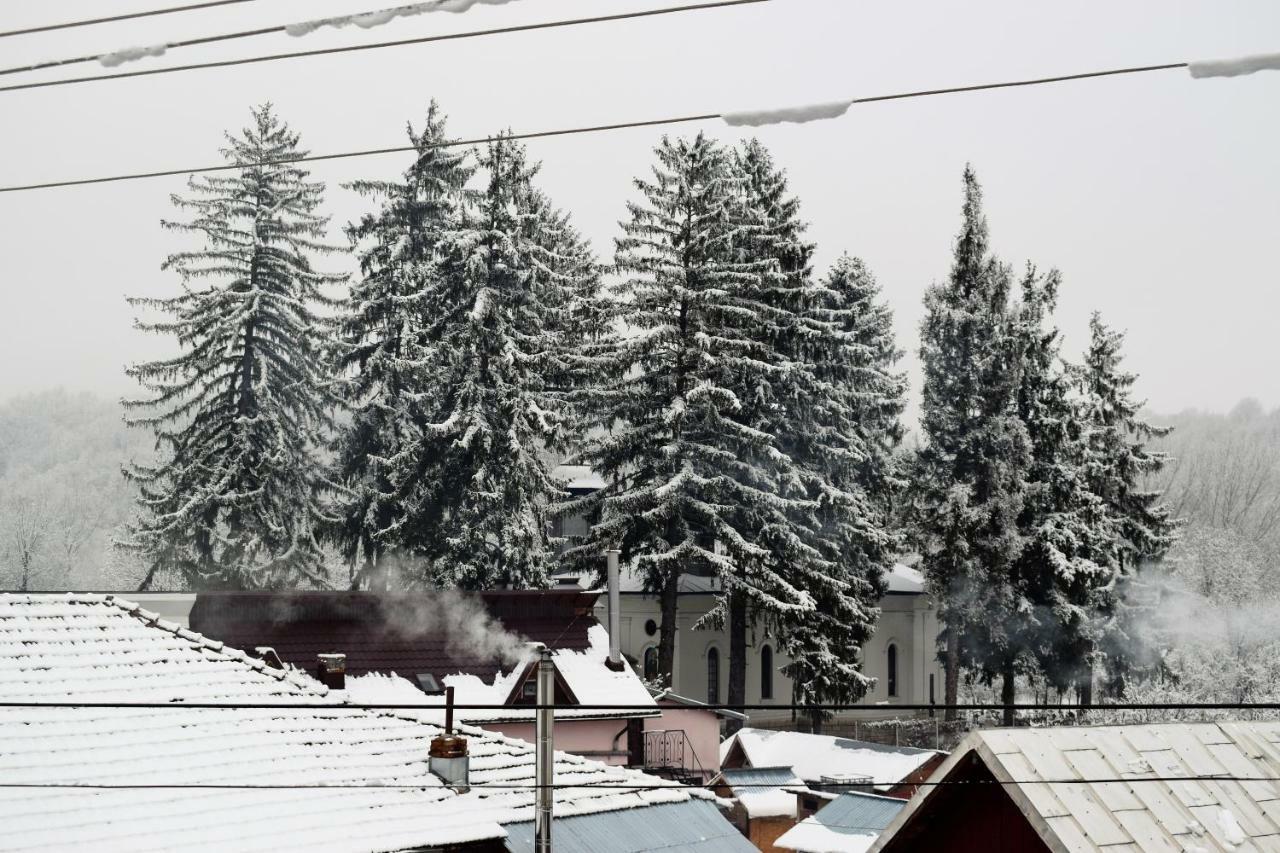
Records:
x=762, y=791
x=900, y=580
x=665, y=694
x=578, y=477
x=692, y=827
x=584, y=672
x=848, y=824
x=407, y=633
x=1184, y=813
x=90, y=648
x=904, y=580
x=815, y=756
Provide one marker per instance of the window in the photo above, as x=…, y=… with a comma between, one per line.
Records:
x=766, y=672
x=713, y=676
x=651, y=663
x=891, y=678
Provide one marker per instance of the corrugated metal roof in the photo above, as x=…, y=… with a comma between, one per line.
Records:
x=751, y=779
x=849, y=824
x=692, y=827
x=859, y=811
x=1161, y=798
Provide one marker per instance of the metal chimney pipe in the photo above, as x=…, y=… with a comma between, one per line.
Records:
x=544, y=752
x=615, y=612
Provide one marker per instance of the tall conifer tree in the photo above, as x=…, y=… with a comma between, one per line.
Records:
x=383, y=352
x=233, y=500
x=497, y=331
x=1116, y=466
x=969, y=478
x=696, y=485
x=844, y=431
x=1067, y=555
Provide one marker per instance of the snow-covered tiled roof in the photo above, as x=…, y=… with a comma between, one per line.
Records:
x=1161, y=796
x=326, y=777
x=814, y=756
x=585, y=673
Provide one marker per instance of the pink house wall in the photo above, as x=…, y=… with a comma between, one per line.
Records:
x=702, y=728
x=603, y=740
x=606, y=740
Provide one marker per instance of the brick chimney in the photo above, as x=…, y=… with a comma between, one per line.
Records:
x=332, y=671
x=448, y=757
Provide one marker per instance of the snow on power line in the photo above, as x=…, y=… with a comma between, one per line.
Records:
x=364, y=20
x=1235, y=67
x=794, y=115
x=369, y=20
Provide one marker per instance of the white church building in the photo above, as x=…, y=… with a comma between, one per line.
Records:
x=901, y=654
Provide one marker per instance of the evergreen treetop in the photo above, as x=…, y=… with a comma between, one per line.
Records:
x=232, y=501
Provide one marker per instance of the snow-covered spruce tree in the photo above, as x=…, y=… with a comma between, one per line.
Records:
x=1068, y=537
x=1116, y=465
x=844, y=432
x=232, y=501
x=695, y=484
x=382, y=352
x=969, y=473
x=495, y=327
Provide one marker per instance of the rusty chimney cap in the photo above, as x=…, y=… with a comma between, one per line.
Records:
x=448, y=746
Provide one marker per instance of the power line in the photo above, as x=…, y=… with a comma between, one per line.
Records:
x=125, y=17
x=58, y=63
x=624, y=786
x=460, y=706
x=922, y=93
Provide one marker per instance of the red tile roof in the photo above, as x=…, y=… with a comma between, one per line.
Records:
x=386, y=632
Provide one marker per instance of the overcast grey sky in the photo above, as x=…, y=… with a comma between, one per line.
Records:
x=1156, y=195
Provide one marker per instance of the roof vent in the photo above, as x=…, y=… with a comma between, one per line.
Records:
x=332, y=671
x=448, y=757
x=427, y=683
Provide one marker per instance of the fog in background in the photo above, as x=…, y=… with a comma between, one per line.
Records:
x=1156, y=195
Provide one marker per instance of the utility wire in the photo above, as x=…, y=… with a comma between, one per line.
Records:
x=125, y=17
x=57, y=63
x=675, y=786
x=923, y=93
x=459, y=706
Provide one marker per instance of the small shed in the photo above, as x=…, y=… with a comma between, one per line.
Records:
x=1205, y=787
x=764, y=801
x=850, y=823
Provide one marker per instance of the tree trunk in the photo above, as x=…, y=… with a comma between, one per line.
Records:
x=1084, y=687
x=1008, y=690
x=667, y=630
x=815, y=722
x=737, y=656
x=951, y=689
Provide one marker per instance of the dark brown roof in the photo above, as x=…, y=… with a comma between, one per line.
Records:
x=384, y=632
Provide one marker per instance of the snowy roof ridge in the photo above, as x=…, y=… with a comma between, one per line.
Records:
x=288, y=673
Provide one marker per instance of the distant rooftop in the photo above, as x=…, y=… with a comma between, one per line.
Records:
x=813, y=757
x=850, y=823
